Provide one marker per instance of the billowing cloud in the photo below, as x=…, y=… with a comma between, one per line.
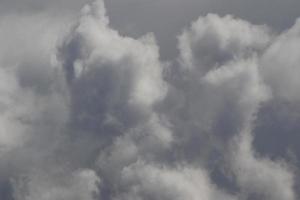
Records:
x=89, y=113
x=221, y=61
x=280, y=65
x=152, y=182
x=127, y=77
x=213, y=41
x=260, y=177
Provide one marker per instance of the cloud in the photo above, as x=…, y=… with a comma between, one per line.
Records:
x=90, y=113
x=30, y=101
x=115, y=81
x=152, y=182
x=124, y=83
x=79, y=185
x=221, y=61
x=33, y=102
x=280, y=65
x=212, y=41
x=215, y=96
x=258, y=176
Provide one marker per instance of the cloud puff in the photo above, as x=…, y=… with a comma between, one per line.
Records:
x=130, y=68
x=212, y=41
x=153, y=182
x=258, y=176
x=221, y=65
x=217, y=98
x=280, y=65
x=115, y=81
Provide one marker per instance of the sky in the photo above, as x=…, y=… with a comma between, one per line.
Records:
x=149, y=100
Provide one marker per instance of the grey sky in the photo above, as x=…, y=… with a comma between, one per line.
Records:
x=166, y=18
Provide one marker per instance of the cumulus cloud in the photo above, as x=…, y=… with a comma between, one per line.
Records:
x=115, y=81
x=280, y=65
x=212, y=41
x=153, y=182
x=221, y=59
x=127, y=77
x=258, y=176
x=89, y=113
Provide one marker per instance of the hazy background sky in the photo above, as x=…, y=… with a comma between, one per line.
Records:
x=166, y=18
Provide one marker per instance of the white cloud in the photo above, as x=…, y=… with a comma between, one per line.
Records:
x=220, y=58
x=280, y=65
x=213, y=41
x=260, y=176
x=153, y=182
